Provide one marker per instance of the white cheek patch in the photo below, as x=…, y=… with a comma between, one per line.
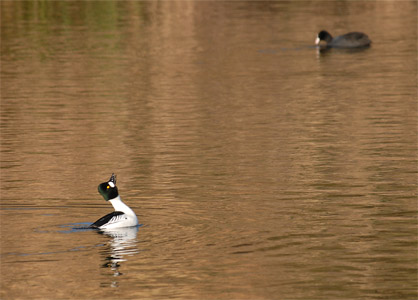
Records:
x=317, y=41
x=111, y=184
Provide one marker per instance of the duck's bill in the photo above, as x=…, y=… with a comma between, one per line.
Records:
x=113, y=179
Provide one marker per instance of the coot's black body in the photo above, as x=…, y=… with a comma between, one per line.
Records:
x=349, y=40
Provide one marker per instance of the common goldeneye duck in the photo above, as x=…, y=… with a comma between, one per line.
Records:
x=123, y=216
x=348, y=40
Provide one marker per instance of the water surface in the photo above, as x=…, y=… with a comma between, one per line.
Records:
x=259, y=167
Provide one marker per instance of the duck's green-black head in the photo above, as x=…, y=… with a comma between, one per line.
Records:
x=108, y=189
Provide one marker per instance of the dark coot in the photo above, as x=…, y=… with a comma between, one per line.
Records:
x=349, y=40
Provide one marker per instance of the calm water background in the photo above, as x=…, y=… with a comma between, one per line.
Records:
x=259, y=167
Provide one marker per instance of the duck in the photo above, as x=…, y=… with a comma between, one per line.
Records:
x=123, y=216
x=348, y=40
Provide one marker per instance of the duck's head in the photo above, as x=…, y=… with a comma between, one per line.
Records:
x=323, y=36
x=108, y=189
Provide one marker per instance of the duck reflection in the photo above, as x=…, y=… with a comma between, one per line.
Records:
x=122, y=245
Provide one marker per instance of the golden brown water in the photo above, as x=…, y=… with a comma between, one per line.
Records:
x=259, y=168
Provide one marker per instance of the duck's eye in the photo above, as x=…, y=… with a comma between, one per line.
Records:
x=108, y=187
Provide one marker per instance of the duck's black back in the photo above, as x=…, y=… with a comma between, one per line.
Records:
x=105, y=219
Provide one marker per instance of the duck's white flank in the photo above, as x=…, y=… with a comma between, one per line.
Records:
x=126, y=220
